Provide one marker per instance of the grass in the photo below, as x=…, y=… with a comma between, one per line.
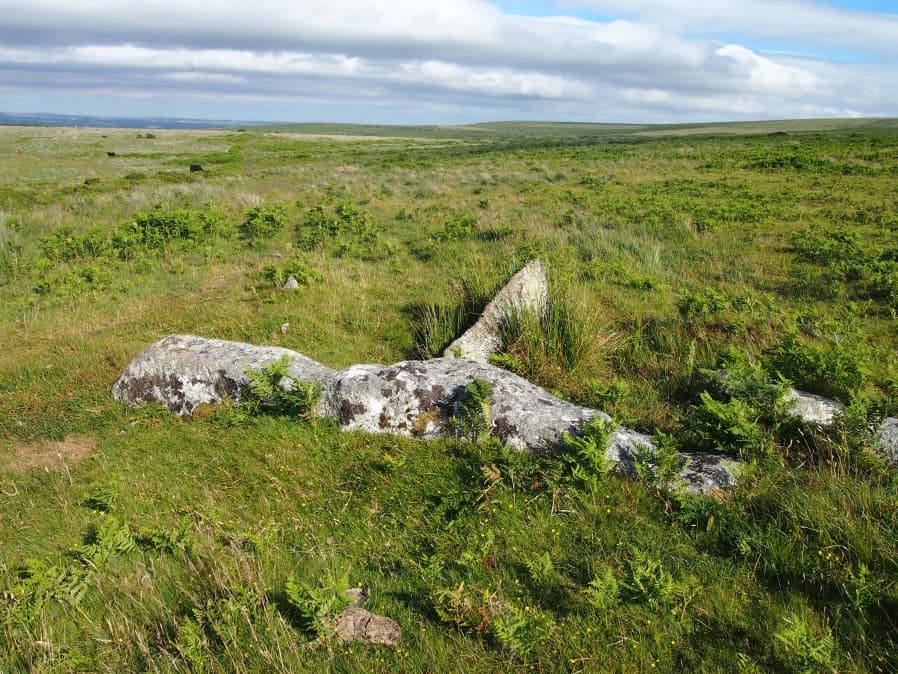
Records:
x=137, y=541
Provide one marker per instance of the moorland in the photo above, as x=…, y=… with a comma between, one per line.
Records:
x=135, y=540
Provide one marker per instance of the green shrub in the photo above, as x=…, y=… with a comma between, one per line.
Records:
x=318, y=227
x=803, y=649
x=657, y=467
x=827, y=247
x=839, y=258
x=604, y=590
x=837, y=367
x=522, y=630
x=157, y=229
x=262, y=223
x=460, y=227
x=277, y=274
x=650, y=582
x=316, y=604
x=350, y=231
x=727, y=426
x=271, y=390
x=586, y=451
x=710, y=302
x=738, y=376
x=473, y=415
x=151, y=231
x=64, y=245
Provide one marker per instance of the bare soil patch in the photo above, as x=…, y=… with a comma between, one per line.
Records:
x=49, y=454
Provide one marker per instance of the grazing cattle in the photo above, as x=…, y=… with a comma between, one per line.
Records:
x=195, y=167
x=110, y=154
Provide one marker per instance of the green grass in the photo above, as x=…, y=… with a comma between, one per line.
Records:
x=137, y=541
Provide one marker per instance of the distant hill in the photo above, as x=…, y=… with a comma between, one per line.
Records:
x=487, y=130
x=47, y=119
x=579, y=130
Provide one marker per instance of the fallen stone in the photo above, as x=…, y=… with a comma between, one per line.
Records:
x=887, y=435
x=412, y=398
x=184, y=371
x=526, y=292
x=291, y=283
x=357, y=624
x=812, y=408
x=421, y=397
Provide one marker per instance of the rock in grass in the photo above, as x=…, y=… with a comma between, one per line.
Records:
x=887, y=434
x=526, y=292
x=357, y=624
x=184, y=371
x=412, y=398
x=421, y=397
x=291, y=283
x=812, y=408
x=808, y=407
x=708, y=474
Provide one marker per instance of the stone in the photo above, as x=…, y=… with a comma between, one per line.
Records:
x=291, y=283
x=808, y=407
x=420, y=397
x=357, y=596
x=357, y=624
x=707, y=474
x=702, y=473
x=184, y=371
x=526, y=292
x=812, y=408
x=413, y=398
x=887, y=435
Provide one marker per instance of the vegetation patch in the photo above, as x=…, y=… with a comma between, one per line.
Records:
x=695, y=278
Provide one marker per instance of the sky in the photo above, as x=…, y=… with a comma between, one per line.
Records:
x=451, y=61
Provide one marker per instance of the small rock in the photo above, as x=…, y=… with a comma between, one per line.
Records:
x=888, y=439
x=357, y=596
x=291, y=283
x=812, y=408
x=357, y=624
x=284, y=328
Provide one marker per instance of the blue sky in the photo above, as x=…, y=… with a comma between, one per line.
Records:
x=452, y=61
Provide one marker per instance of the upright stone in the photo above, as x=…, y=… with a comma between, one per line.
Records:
x=526, y=292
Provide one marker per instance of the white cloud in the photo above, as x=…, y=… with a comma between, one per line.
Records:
x=208, y=78
x=799, y=21
x=463, y=55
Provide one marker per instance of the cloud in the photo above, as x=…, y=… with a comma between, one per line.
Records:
x=800, y=22
x=457, y=57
